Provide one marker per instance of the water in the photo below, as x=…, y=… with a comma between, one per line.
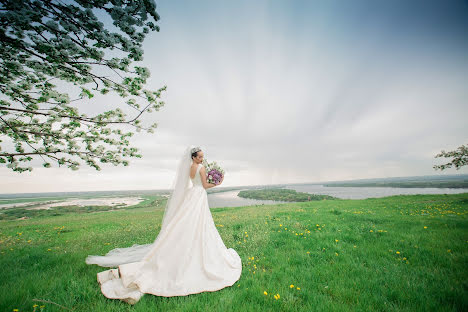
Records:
x=230, y=199
x=349, y=192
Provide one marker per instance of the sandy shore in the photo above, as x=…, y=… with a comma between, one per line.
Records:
x=104, y=201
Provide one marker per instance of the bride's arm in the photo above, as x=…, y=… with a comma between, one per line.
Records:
x=205, y=183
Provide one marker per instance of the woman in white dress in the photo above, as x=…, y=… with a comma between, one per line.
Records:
x=187, y=257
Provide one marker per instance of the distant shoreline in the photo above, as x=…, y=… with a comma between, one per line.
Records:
x=457, y=181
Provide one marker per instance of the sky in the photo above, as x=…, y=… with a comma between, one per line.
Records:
x=291, y=92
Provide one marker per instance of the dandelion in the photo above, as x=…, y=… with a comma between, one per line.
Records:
x=371, y=231
x=336, y=240
x=336, y=254
x=425, y=227
x=308, y=252
x=15, y=310
x=298, y=288
x=265, y=293
x=398, y=252
x=277, y=296
x=291, y=286
x=281, y=225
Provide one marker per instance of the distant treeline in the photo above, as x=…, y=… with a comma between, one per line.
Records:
x=282, y=195
x=435, y=184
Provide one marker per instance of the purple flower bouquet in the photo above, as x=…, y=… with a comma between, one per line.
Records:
x=214, y=173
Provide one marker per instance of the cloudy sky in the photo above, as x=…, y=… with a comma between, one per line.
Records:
x=293, y=91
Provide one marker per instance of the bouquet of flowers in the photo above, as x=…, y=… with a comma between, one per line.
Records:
x=214, y=173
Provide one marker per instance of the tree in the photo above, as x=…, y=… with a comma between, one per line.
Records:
x=47, y=42
x=460, y=158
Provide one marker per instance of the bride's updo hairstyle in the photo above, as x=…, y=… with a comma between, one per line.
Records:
x=195, y=151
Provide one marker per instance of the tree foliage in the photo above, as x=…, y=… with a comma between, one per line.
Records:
x=460, y=158
x=49, y=44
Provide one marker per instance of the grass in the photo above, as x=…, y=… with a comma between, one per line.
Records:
x=280, y=194
x=398, y=253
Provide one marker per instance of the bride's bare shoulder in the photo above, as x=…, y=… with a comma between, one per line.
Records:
x=193, y=170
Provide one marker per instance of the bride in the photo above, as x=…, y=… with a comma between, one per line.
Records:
x=187, y=257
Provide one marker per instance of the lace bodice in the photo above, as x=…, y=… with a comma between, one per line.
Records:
x=197, y=179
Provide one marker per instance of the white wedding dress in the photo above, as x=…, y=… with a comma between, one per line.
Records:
x=187, y=257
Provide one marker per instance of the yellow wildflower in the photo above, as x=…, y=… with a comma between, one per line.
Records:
x=265, y=293
x=291, y=286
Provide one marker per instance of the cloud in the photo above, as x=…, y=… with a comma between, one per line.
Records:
x=281, y=92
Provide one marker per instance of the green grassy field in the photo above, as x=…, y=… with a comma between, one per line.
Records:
x=399, y=253
x=281, y=194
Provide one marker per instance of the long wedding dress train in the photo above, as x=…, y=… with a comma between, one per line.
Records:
x=187, y=257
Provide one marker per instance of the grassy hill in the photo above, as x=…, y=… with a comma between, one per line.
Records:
x=398, y=253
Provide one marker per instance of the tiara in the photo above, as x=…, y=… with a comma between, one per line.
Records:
x=195, y=149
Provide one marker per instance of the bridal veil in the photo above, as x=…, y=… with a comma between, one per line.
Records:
x=136, y=252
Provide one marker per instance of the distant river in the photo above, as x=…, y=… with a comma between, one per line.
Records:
x=230, y=198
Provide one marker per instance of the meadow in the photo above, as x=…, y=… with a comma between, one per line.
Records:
x=280, y=194
x=398, y=253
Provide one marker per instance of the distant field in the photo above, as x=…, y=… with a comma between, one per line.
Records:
x=285, y=195
x=154, y=201
x=398, y=253
x=458, y=184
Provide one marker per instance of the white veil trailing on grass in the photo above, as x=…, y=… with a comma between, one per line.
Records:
x=136, y=252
